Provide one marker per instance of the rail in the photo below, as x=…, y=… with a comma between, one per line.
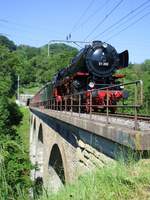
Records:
x=74, y=102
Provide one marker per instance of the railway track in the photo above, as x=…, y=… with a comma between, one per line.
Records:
x=123, y=120
x=120, y=119
x=126, y=116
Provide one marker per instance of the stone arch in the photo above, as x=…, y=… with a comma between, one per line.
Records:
x=56, y=169
x=31, y=119
x=40, y=135
x=34, y=124
x=37, y=174
x=33, y=136
x=39, y=152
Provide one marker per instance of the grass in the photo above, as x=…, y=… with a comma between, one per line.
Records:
x=24, y=127
x=117, y=182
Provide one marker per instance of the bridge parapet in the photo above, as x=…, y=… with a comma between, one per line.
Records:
x=119, y=132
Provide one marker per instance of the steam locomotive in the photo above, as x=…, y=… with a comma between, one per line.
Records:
x=91, y=73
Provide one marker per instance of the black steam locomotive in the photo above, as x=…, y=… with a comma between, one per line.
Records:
x=93, y=68
x=100, y=60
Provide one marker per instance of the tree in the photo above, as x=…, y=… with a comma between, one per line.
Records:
x=4, y=41
x=7, y=72
x=14, y=161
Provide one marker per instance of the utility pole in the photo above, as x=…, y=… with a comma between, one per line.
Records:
x=18, y=89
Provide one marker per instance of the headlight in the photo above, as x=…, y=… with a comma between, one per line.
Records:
x=104, y=45
x=122, y=86
x=91, y=84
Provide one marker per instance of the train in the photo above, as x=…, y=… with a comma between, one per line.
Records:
x=90, y=82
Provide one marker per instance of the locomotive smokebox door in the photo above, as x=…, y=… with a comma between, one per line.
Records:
x=102, y=59
x=124, y=58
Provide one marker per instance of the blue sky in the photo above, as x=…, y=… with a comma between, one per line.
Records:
x=35, y=22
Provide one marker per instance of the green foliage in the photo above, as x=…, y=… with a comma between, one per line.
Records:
x=8, y=61
x=34, y=66
x=28, y=52
x=117, y=181
x=4, y=41
x=45, y=67
x=10, y=116
x=140, y=72
x=14, y=181
x=14, y=160
x=15, y=116
x=16, y=165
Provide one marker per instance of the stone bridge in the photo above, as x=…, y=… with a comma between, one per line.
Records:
x=63, y=145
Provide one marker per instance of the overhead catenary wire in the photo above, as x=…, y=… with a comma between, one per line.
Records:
x=133, y=23
x=26, y=26
x=82, y=15
x=104, y=19
x=100, y=8
x=122, y=18
x=128, y=20
x=77, y=44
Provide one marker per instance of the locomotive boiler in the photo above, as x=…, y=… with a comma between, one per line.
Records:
x=100, y=60
x=91, y=73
